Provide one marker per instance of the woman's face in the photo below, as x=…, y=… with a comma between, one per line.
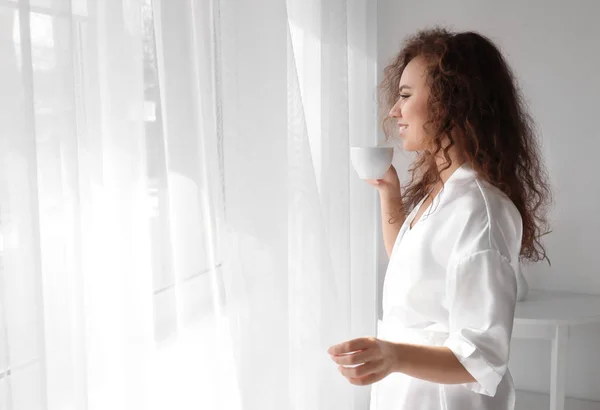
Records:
x=410, y=110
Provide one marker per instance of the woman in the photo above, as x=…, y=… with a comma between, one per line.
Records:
x=478, y=196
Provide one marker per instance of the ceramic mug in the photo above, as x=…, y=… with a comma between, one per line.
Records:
x=371, y=162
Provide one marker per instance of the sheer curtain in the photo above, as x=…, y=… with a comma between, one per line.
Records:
x=180, y=226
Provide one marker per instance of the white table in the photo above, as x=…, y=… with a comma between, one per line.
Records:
x=549, y=315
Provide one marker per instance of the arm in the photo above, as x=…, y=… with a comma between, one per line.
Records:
x=436, y=364
x=372, y=359
x=391, y=207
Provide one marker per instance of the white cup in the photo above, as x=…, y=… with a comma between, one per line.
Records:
x=371, y=162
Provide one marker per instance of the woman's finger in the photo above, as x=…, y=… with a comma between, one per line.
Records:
x=370, y=379
x=362, y=370
x=355, y=358
x=351, y=346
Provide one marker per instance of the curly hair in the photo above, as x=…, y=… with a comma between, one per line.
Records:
x=474, y=105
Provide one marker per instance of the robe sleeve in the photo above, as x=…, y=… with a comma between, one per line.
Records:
x=481, y=293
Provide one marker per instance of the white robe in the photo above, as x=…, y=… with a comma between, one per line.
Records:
x=451, y=281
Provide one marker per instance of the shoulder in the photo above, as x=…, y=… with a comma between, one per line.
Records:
x=484, y=218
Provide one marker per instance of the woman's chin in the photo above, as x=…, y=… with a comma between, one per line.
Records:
x=406, y=145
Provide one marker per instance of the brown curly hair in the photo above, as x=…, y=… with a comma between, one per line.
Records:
x=475, y=105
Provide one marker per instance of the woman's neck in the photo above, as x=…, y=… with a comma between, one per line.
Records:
x=447, y=171
x=446, y=168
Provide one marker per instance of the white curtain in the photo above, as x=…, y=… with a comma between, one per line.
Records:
x=180, y=226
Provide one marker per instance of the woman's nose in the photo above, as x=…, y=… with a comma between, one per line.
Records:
x=395, y=112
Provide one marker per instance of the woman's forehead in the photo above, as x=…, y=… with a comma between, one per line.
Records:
x=414, y=73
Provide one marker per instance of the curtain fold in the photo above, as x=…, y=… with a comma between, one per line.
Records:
x=180, y=225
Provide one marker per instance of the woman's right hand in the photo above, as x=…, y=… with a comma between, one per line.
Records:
x=389, y=185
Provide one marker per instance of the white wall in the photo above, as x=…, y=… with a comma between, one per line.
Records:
x=554, y=49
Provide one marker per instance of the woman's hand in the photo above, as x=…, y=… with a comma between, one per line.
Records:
x=374, y=359
x=389, y=185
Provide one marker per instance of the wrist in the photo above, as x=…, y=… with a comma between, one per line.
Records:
x=399, y=362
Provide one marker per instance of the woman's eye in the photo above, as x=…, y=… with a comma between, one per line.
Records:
x=404, y=96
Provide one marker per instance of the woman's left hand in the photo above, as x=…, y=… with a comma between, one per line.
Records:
x=374, y=359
